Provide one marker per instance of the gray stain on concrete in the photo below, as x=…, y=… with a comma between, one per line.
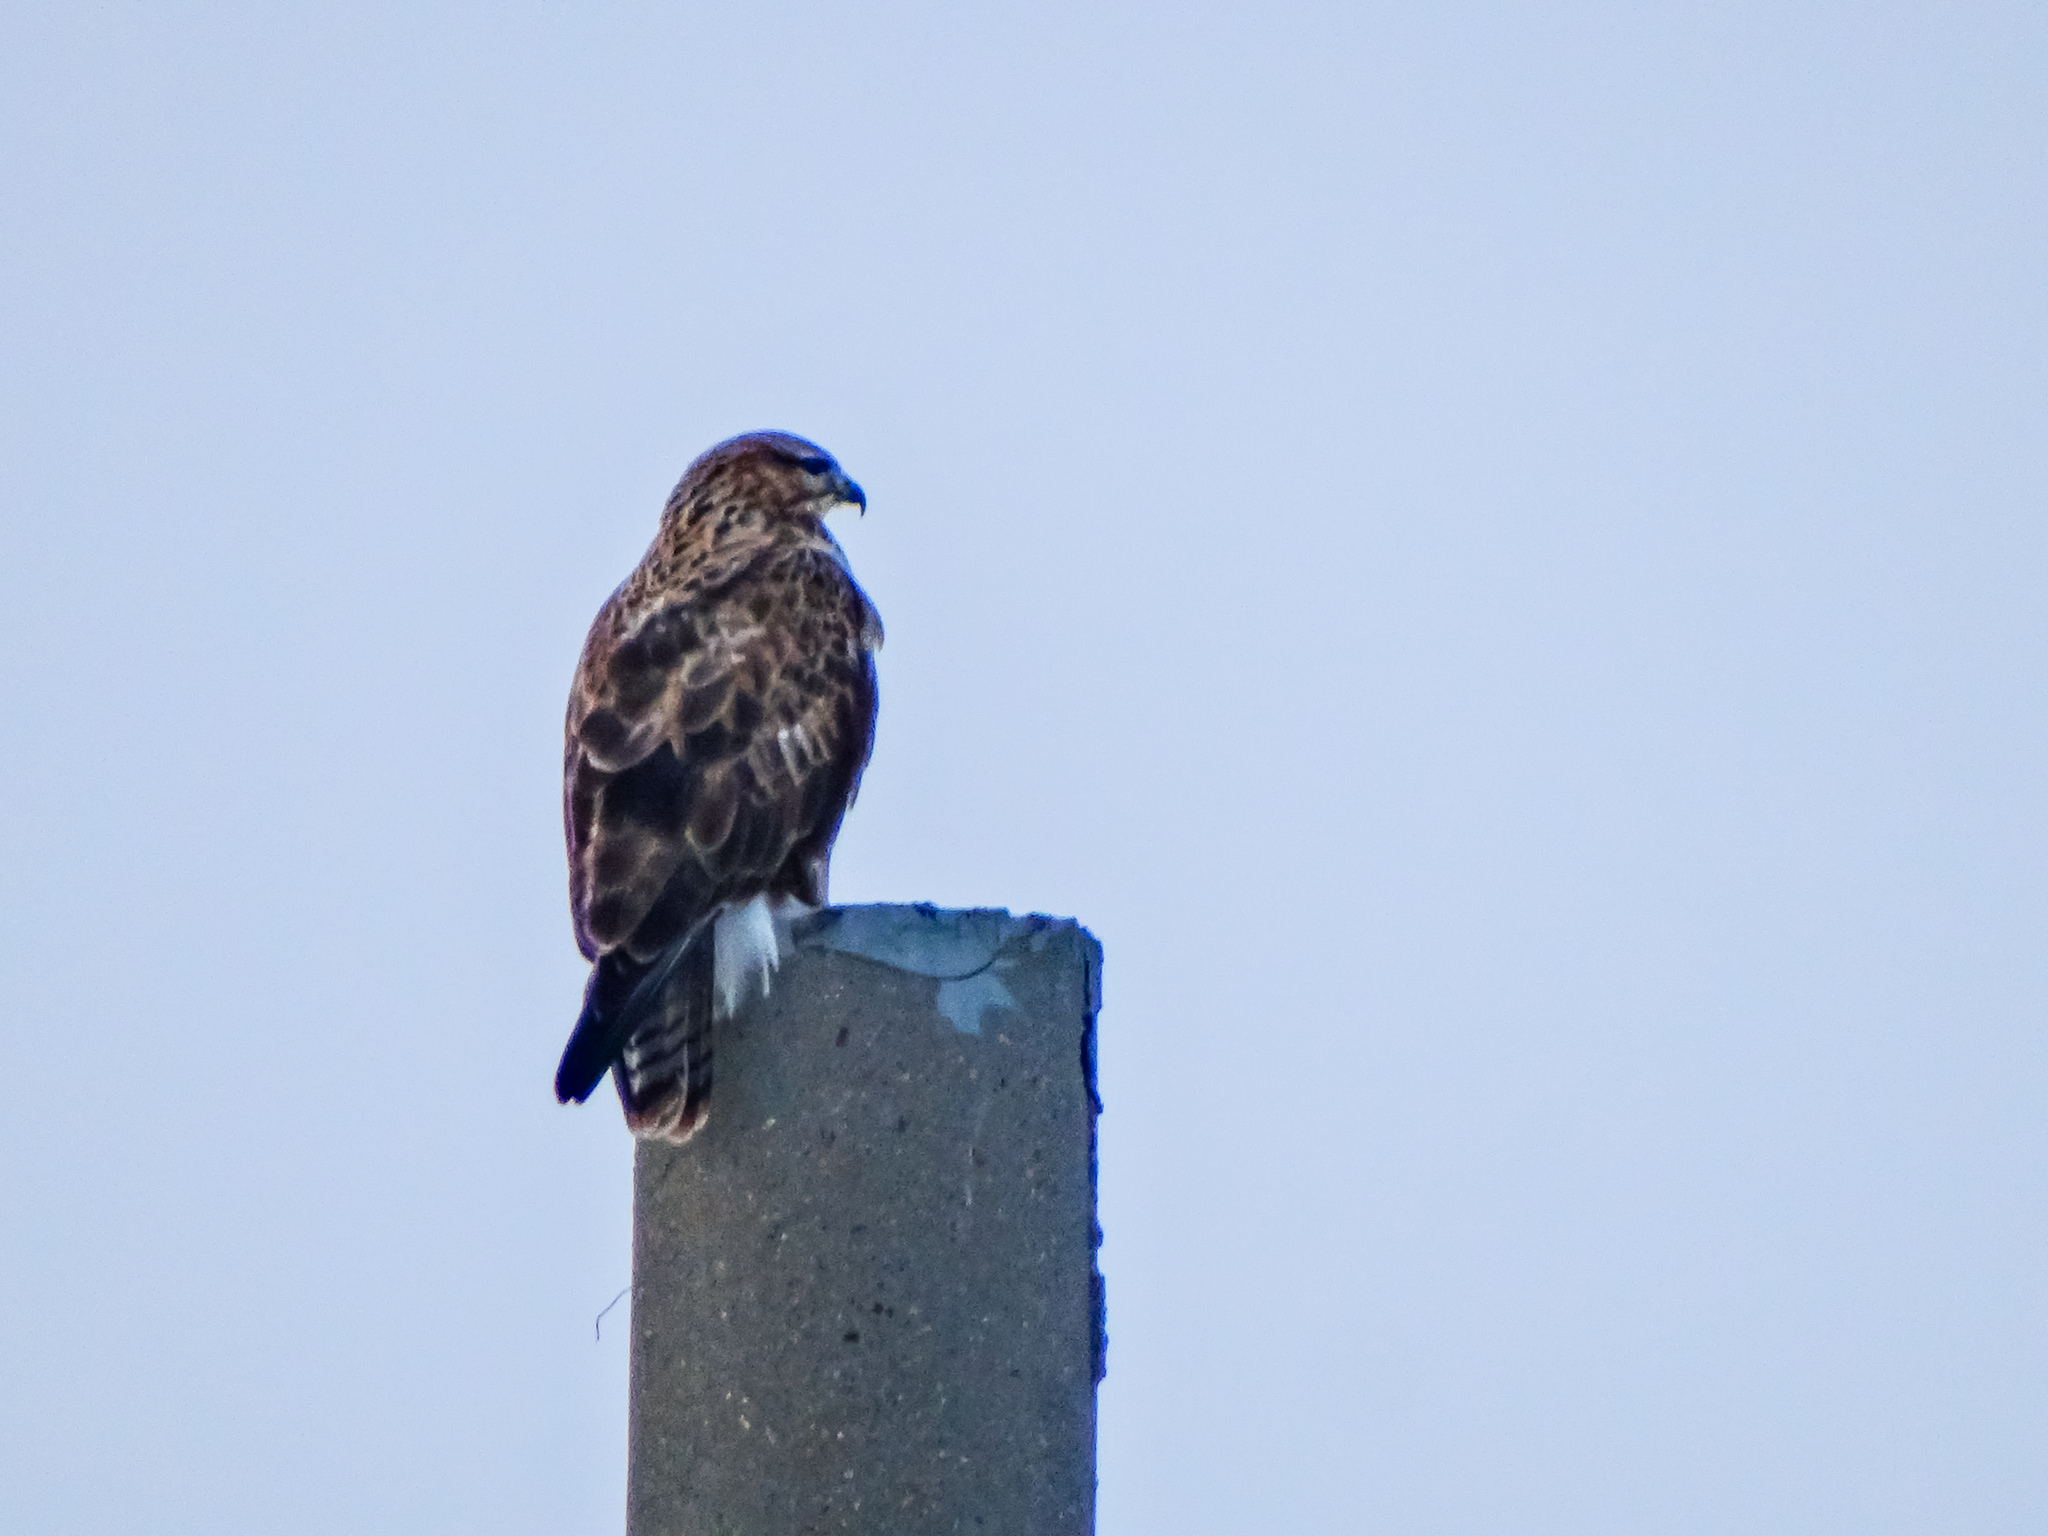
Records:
x=967, y=953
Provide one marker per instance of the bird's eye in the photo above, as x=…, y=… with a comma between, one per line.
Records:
x=816, y=466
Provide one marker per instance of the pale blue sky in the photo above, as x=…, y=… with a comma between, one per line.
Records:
x=1494, y=554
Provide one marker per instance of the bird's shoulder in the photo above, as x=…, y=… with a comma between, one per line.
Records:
x=691, y=622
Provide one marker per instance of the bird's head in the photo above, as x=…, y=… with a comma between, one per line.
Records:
x=769, y=474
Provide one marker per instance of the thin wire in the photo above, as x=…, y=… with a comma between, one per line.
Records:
x=597, y=1327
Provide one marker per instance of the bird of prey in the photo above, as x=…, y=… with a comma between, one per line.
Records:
x=721, y=716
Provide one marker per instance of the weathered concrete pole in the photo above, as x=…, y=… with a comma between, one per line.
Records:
x=865, y=1296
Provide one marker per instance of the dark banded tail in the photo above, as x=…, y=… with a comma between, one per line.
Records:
x=664, y=1069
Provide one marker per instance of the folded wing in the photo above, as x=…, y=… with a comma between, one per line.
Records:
x=713, y=744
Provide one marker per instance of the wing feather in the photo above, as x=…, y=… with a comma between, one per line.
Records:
x=714, y=741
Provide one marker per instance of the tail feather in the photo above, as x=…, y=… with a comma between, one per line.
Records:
x=649, y=1025
x=602, y=1028
x=620, y=996
x=664, y=1070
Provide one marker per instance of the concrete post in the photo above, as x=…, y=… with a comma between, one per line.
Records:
x=865, y=1296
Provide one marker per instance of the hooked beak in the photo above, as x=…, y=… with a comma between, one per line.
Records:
x=848, y=491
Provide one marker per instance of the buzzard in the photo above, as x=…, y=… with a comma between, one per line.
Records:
x=720, y=719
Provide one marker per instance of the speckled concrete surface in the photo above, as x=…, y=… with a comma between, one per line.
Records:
x=865, y=1297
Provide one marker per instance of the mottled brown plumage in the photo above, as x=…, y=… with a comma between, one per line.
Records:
x=721, y=716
